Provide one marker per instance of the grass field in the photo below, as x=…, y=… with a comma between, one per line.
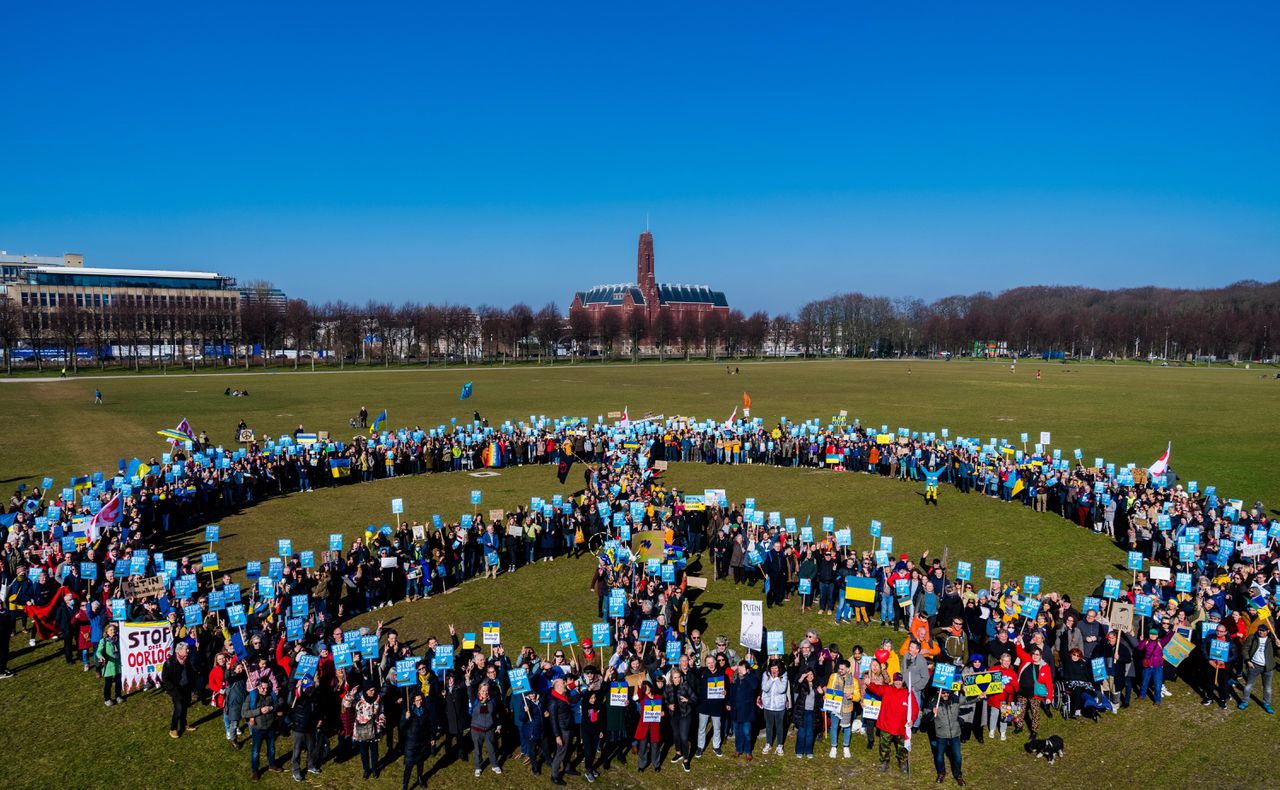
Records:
x=1222, y=423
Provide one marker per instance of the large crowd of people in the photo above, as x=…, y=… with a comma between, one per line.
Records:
x=974, y=656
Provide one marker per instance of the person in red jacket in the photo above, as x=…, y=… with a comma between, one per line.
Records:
x=897, y=710
x=997, y=702
x=1035, y=687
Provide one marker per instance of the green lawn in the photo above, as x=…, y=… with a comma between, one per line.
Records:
x=1222, y=423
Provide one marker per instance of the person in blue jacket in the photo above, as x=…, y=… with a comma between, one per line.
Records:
x=744, y=693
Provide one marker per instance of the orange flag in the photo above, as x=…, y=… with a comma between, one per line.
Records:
x=746, y=401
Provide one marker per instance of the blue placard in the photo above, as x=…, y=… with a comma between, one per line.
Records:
x=1031, y=585
x=805, y=586
x=307, y=666
x=341, y=655
x=368, y=647
x=1219, y=650
x=944, y=675
x=668, y=573
x=475, y=496
x=648, y=630
x=335, y=541
x=89, y=571
x=217, y=602
x=442, y=657
x=1142, y=605
x=601, y=635
x=1134, y=561
x=993, y=569
x=547, y=631
x=294, y=629
x=1092, y=604
x=1182, y=582
x=191, y=615
x=266, y=587
x=568, y=635
x=519, y=680
x=775, y=644
x=119, y=609
x=253, y=569
x=1099, y=666
x=901, y=588
x=1030, y=608
x=299, y=605
x=617, y=607
x=212, y=533
x=673, y=650
x=284, y=547
x=308, y=559
x=875, y=528
x=236, y=616
x=886, y=543
x=1111, y=588
x=964, y=571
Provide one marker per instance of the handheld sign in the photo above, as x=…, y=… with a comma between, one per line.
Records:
x=1031, y=585
x=1142, y=605
x=475, y=497
x=211, y=533
x=1111, y=588
x=308, y=559
x=397, y=506
x=407, y=672
x=341, y=655
x=519, y=680
x=369, y=647
x=619, y=693
x=993, y=569
x=964, y=571
x=335, y=541
x=652, y=710
x=648, y=630
x=832, y=700
x=1134, y=562
x=805, y=586
x=284, y=547
x=1099, y=665
x=236, y=617
x=1218, y=650
x=774, y=642
x=442, y=658
x=547, y=630
x=674, y=650
x=601, y=635
x=944, y=675
x=1030, y=608
x=491, y=633
x=715, y=687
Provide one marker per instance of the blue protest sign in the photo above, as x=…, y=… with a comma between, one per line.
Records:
x=307, y=666
x=1182, y=583
x=519, y=680
x=285, y=547
x=236, y=617
x=805, y=586
x=993, y=569
x=298, y=605
x=475, y=497
x=1219, y=650
x=1134, y=561
x=875, y=528
x=1031, y=585
x=212, y=533
x=1111, y=588
x=547, y=630
x=191, y=615
x=89, y=571
x=1142, y=605
x=601, y=635
x=964, y=571
x=1092, y=604
x=294, y=629
x=341, y=655
x=774, y=643
x=335, y=541
x=266, y=587
x=1099, y=666
x=568, y=635
x=370, y=650
x=648, y=630
x=1030, y=608
x=944, y=675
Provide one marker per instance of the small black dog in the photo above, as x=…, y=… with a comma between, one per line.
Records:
x=1050, y=748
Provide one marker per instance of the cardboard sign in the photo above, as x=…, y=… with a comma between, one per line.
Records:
x=833, y=700
x=1122, y=616
x=142, y=586
x=497, y=514
x=983, y=684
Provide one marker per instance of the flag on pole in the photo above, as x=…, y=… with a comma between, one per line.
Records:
x=626, y=417
x=466, y=391
x=562, y=469
x=106, y=516
x=733, y=416
x=378, y=422
x=1162, y=463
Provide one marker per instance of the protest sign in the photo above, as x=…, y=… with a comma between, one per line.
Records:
x=1122, y=616
x=491, y=633
x=519, y=680
x=832, y=700
x=547, y=630
x=1178, y=648
x=943, y=675
x=144, y=647
x=619, y=693
x=752, y=624
x=1099, y=666
x=652, y=710
x=715, y=687
x=407, y=672
x=775, y=643
x=141, y=586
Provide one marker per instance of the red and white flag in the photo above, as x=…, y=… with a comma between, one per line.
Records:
x=626, y=418
x=733, y=416
x=106, y=516
x=1162, y=463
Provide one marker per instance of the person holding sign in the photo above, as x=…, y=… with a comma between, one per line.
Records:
x=262, y=709
x=945, y=738
x=648, y=733
x=713, y=690
x=1220, y=654
x=849, y=687
x=1151, y=651
x=897, y=711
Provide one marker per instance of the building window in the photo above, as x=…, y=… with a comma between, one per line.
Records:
x=44, y=300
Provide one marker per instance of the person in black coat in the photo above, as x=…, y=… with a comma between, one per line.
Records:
x=179, y=679
x=417, y=735
x=64, y=616
x=560, y=713
x=457, y=720
x=776, y=569
x=304, y=720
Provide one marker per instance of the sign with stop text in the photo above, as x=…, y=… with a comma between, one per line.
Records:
x=144, y=647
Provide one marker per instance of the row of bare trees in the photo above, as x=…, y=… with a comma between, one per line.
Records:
x=1230, y=322
x=1233, y=322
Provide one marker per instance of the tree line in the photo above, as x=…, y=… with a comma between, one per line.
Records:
x=1233, y=322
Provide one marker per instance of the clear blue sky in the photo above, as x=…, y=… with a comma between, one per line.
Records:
x=511, y=152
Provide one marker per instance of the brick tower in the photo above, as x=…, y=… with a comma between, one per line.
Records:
x=645, y=277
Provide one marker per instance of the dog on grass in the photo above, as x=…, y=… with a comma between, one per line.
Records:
x=1050, y=748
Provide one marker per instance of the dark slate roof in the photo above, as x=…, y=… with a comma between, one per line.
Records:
x=668, y=293
x=611, y=294
x=696, y=294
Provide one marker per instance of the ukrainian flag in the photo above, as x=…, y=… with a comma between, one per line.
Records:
x=860, y=588
x=379, y=421
x=81, y=483
x=835, y=458
x=340, y=467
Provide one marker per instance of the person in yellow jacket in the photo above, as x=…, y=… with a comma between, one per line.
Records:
x=846, y=682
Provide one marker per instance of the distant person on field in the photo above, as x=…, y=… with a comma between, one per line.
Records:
x=97, y=396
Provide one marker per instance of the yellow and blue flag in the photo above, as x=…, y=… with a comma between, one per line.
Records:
x=379, y=421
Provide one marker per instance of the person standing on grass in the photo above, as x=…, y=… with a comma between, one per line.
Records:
x=305, y=723
x=1260, y=656
x=262, y=709
x=560, y=712
x=97, y=396
x=107, y=657
x=179, y=678
x=417, y=736
x=945, y=738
